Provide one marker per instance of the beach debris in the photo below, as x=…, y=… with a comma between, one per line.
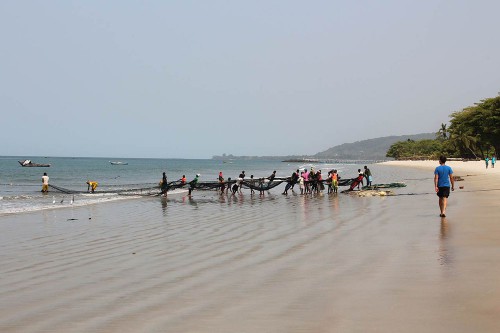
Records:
x=71, y=219
x=53, y=199
x=72, y=200
x=458, y=178
x=371, y=193
x=62, y=200
x=390, y=185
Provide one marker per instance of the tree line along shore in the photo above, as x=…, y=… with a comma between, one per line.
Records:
x=472, y=134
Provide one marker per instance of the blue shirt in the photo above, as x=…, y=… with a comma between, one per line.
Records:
x=443, y=172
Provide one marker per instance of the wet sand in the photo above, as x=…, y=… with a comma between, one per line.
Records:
x=272, y=264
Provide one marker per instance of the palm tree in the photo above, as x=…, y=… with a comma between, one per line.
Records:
x=443, y=132
x=465, y=139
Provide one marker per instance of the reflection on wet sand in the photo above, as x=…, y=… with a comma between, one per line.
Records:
x=445, y=257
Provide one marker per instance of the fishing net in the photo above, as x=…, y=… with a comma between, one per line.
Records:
x=145, y=190
x=257, y=184
x=262, y=184
x=377, y=186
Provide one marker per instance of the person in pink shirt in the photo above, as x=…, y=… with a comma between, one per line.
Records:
x=306, y=181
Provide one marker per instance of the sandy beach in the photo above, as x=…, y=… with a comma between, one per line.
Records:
x=250, y=264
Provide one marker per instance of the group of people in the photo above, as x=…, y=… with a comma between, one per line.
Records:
x=91, y=185
x=309, y=181
x=312, y=181
x=238, y=184
x=493, y=161
x=164, y=184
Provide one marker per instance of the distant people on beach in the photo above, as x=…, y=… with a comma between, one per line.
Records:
x=45, y=183
x=368, y=176
x=301, y=183
x=228, y=185
x=493, y=161
x=319, y=179
x=335, y=181
x=91, y=185
x=312, y=180
x=272, y=176
x=261, y=186
x=241, y=177
x=221, y=182
x=329, y=181
x=235, y=188
x=252, y=183
x=443, y=179
x=295, y=178
x=361, y=175
x=192, y=184
x=287, y=187
x=305, y=174
x=333, y=184
x=291, y=183
x=164, y=185
x=357, y=181
x=486, y=160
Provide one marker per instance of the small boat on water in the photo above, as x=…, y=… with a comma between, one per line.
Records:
x=28, y=163
x=118, y=163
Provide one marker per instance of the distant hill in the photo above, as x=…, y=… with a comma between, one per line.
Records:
x=366, y=150
x=372, y=149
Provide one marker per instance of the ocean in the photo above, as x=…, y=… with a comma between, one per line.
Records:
x=20, y=187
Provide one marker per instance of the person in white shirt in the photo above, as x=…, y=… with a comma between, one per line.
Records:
x=45, y=183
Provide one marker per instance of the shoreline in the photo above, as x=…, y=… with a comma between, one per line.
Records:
x=476, y=167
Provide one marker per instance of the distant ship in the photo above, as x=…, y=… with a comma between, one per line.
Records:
x=118, y=163
x=28, y=163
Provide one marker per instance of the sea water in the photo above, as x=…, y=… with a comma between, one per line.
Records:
x=20, y=187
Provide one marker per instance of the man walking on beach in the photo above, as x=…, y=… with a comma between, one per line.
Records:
x=45, y=183
x=443, y=177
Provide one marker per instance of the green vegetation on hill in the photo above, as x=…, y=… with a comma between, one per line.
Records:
x=415, y=150
x=372, y=149
x=474, y=132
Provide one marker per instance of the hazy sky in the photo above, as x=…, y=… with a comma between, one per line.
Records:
x=192, y=79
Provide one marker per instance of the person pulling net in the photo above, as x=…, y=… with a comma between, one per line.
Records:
x=92, y=185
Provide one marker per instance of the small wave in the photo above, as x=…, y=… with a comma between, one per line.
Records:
x=18, y=209
x=17, y=197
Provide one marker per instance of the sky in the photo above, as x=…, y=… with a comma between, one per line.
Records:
x=192, y=79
